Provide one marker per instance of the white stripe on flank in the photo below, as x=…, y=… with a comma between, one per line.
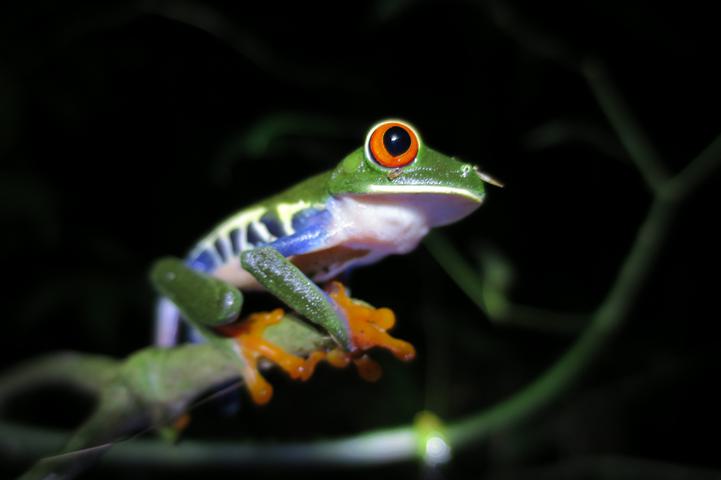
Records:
x=262, y=231
x=240, y=220
x=286, y=212
x=225, y=243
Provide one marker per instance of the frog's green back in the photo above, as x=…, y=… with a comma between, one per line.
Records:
x=313, y=190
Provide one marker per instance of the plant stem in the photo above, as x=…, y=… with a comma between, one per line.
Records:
x=604, y=323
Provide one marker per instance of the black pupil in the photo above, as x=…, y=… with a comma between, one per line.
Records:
x=397, y=141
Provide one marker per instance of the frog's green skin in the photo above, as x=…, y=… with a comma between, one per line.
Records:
x=352, y=215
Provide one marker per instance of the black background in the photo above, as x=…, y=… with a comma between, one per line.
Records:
x=128, y=128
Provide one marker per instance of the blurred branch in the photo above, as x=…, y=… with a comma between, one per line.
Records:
x=696, y=172
x=668, y=193
x=611, y=467
x=148, y=390
x=527, y=36
x=83, y=372
x=271, y=134
x=611, y=102
x=567, y=131
x=461, y=273
x=491, y=294
x=604, y=322
x=372, y=448
x=215, y=23
x=634, y=139
x=606, y=319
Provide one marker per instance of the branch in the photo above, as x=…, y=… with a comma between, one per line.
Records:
x=148, y=390
x=543, y=44
x=607, y=318
x=611, y=467
x=83, y=372
x=634, y=139
x=209, y=19
x=698, y=171
x=371, y=448
x=605, y=321
x=490, y=295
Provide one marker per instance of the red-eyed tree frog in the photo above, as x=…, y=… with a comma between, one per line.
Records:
x=381, y=199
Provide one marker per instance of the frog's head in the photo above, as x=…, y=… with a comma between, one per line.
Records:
x=394, y=166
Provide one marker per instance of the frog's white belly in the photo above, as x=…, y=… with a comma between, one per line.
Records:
x=363, y=230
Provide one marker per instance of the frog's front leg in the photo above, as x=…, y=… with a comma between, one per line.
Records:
x=284, y=280
x=353, y=324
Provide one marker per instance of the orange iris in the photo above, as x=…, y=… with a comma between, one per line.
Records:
x=393, y=145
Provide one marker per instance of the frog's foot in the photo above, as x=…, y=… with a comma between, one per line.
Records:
x=249, y=335
x=368, y=326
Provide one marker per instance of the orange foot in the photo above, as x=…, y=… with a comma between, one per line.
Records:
x=249, y=335
x=368, y=327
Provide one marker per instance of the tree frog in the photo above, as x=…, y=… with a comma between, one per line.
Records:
x=380, y=200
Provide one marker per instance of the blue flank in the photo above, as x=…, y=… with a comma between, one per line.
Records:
x=203, y=262
x=309, y=233
x=312, y=234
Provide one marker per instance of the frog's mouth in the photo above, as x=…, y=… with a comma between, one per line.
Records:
x=366, y=227
x=438, y=206
x=430, y=190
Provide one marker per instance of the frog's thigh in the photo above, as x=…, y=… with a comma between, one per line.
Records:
x=284, y=280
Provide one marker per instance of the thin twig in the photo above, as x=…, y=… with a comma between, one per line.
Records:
x=497, y=306
x=458, y=269
x=628, y=129
x=561, y=375
x=633, y=137
x=696, y=172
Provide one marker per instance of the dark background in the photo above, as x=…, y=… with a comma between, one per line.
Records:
x=127, y=129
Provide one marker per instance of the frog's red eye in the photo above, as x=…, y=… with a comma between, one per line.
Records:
x=393, y=144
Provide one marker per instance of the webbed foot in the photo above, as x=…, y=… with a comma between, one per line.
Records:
x=253, y=347
x=368, y=327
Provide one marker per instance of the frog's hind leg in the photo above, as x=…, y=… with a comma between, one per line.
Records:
x=212, y=307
